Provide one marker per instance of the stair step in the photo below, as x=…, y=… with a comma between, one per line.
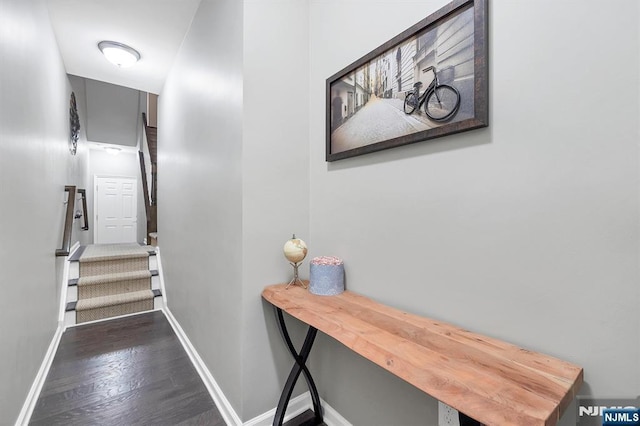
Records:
x=113, y=300
x=107, y=252
x=75, y=256
x=104, y=307
x=74, y=263
x=112, y=278
x=110, y=281
x=114, y=266
x=74, y=281
x=71, y=306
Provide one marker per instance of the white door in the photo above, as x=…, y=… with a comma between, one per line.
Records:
x=116, y=210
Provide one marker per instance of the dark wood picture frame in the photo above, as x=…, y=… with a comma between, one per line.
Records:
x=453, y=40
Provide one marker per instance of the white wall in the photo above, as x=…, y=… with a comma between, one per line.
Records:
x=526, y=231
x=275, y=162
x=35, y=165
x=200, y=189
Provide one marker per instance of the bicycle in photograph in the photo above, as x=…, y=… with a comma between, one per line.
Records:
x=441, y=101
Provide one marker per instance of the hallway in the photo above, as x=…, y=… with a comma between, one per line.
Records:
x=518, y=231
x=131, y=370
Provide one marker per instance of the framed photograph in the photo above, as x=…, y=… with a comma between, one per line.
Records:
x=428, y=82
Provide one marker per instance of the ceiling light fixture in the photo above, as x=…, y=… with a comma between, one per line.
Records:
x=113, y=150
x=118, y=53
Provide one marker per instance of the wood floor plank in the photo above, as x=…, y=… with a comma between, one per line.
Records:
x=129, y=371
x=120, y=368
x=208, y=418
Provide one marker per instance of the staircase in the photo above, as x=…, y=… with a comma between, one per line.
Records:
x=110, y=280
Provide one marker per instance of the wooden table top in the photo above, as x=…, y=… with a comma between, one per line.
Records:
x=492, y=381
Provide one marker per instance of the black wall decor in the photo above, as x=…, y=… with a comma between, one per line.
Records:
x=74, y=125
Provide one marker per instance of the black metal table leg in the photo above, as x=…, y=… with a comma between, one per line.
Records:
x=298, y=367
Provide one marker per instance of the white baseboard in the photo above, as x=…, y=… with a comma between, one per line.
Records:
x=158, y=264
x=36, y=387
x=332, y=417
x=41, y=376
x=65, y=283
x=229, y=415
x=297, y=406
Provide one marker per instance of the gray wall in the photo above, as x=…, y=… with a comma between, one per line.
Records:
x=526, y=231
x=35, y=165
x=113, y=113
x=275, y=165
x=234, y=184
x=522, y=231
x=200, y=182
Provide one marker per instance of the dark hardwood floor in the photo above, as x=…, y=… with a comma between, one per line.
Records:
x=128, y=371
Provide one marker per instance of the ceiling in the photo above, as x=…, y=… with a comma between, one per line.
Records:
x=155, y=28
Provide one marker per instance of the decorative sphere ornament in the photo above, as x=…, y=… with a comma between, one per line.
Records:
x=295, y=250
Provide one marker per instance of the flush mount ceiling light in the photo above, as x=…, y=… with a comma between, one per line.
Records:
x=113, y=150
x=118, y=53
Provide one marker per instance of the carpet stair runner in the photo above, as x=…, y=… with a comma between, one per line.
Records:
x=112, y=280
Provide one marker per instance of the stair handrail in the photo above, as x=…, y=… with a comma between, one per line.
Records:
x=145, y=186
x=152, y=160
x=83, y=193
x=150, y=202
x=68, y=222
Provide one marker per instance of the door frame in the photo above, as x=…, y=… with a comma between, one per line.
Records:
x=95, y=198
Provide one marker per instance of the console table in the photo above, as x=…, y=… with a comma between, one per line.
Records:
x=491, y=381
